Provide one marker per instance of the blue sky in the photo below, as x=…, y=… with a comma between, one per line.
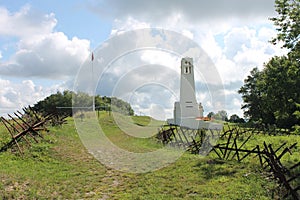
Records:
x=73, y=18
x=44, y=43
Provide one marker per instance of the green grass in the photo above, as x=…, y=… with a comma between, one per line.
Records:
x=61, y=168
x=57, y=168
x=276, y=141
x=127, y=142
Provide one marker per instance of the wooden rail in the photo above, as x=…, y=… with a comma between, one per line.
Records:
x=26, y=127
x=236, y=139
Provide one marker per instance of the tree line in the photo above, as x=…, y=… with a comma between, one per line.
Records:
x=68, y=102
x=271, y=96
x=223, y=116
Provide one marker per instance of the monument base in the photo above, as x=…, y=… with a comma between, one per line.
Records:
x=194, y=123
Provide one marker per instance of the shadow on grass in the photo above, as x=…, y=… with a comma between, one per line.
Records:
x=213, y=168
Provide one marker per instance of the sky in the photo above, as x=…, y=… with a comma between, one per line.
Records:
x=44, y=45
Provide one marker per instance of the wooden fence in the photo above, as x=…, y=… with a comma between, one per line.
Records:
x=26, y=127
x=234, y=144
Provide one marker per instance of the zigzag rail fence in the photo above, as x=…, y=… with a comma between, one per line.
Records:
x=234, y=146
x=25, y=127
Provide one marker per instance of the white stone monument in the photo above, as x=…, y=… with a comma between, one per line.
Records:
x=187, y=112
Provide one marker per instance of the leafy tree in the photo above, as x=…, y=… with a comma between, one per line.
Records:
x=62, y=103
x=281, y=76
x=271, y=96
x=252, y=96
x=223, y=115
x=236, y=119
x=56, y=103
x=120, y=106
x=287, y=23
x=82, y=99
x=210, y=114
x=220, y=115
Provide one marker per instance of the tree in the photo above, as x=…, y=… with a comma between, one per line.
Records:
x=220, y=115
x=281, y=76
x=62, y=103
x=81, y=99
x=236, y=119
x=210, y=114
x=55, y=103
x=287, y=23
x=271, y=96
x=252, y=96
x=121, y=106
x=223, y=115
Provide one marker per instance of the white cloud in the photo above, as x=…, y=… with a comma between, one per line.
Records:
x=207, y=41
x=14, y=96
x=161, y=58
x=234, y=46
x=41, y=52
x=129, y=24
x=238, y=50
x=237, y=39
x=51, y=56
x=25, y=22
x=234, y=107
x=233, y=33
x=191, y=10
x=188, y=34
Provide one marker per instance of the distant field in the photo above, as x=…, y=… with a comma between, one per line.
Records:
x=61, y=168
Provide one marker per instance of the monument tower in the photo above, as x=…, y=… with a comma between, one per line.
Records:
x=187, y=112
x=187, y=107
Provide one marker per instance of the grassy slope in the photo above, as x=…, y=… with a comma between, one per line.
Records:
x=62, y=168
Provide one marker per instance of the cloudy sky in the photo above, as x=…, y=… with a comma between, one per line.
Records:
x=43, y=44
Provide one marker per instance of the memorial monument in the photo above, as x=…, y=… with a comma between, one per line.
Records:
x=187, y=112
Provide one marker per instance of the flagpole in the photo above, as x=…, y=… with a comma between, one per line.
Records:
x=93, y=106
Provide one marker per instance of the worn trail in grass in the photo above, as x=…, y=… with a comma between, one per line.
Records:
x=62, y=168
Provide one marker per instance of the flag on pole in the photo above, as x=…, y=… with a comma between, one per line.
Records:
x=92, y=56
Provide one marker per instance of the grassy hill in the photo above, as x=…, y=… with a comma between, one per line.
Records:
x=61, y=168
